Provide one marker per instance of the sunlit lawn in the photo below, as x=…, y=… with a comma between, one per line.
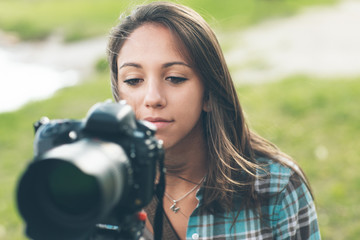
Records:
x=315, y=121
x=77, y=19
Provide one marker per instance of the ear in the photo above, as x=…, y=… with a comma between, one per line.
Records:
x=206, y=106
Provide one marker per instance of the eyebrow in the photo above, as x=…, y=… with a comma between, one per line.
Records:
x=165, y=65
x=130, y=65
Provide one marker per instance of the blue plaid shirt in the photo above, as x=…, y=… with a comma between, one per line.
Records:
x=289, y=206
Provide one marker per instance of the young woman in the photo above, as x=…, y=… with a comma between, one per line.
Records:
x=222, y=180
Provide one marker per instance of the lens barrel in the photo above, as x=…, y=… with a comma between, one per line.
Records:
x=65, y=192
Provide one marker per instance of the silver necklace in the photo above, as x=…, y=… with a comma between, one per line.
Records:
x=174, y=207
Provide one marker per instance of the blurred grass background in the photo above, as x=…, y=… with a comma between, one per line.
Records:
x=78, y=19
x=314, y=120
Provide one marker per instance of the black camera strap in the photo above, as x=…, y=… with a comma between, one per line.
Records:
x=168, y=231
x=160, y=190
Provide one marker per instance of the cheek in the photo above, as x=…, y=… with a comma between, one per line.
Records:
x=189, y=108
x=131, y=99
x=193, y=99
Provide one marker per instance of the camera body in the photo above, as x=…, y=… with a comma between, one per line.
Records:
x=90, y=172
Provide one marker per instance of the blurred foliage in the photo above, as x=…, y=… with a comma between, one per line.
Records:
x=78, y=19
x=102, y=65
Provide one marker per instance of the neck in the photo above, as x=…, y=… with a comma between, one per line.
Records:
x=186, y=162
x=184, y=167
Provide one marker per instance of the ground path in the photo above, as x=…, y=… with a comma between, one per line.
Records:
x=321, y=41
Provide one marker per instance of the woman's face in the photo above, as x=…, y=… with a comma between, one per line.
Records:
x=160, y=85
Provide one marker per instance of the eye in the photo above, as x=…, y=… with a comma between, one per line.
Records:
x=176, y=80
x=133, y=81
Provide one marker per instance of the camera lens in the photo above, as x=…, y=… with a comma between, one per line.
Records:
x=71, y=190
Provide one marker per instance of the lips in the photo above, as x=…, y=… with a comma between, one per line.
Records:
x=159, y=122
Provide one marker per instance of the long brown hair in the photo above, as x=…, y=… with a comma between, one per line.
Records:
x=233, y=148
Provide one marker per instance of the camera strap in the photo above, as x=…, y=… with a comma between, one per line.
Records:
x=159, y=192
x=168, y=231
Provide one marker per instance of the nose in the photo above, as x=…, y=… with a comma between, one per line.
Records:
x=154, y=96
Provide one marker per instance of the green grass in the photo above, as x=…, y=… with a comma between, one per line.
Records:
x=78, y=19
x=315, y=121
x=33, y=20
x=16, y=141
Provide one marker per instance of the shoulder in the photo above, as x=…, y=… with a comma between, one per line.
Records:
x=289, y=202
x=283, y=187
x=274, y=177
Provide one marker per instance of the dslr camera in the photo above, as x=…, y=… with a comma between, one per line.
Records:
x=90, y=178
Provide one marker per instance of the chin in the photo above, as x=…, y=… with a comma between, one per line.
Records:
x=166, y=144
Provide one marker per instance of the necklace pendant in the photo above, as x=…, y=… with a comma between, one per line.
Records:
x=174, y=208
